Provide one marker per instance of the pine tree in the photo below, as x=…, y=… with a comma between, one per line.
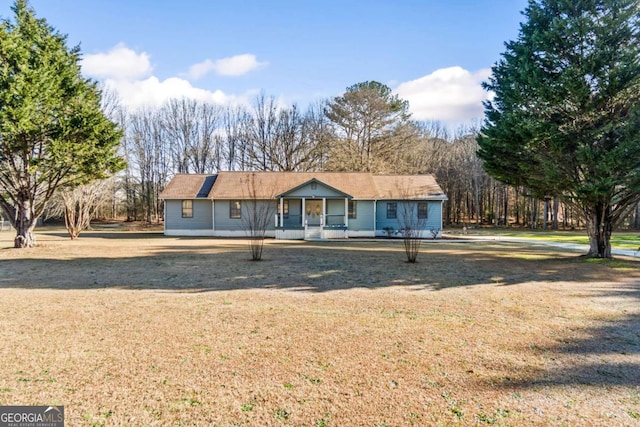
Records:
x=52, y=131
x=565, y=119
x=367, y=121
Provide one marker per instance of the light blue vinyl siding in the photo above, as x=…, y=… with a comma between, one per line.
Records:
x=433, y=221
x=364, y=216
x=364, y=220
x=271, y=211
x=222, y=218
x=201, y=219
x=225, y=222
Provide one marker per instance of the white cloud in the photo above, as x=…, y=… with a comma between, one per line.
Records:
x=119, y=63
x=154, y=92
x=128, y=73
x=232, y=66
x=450, y=95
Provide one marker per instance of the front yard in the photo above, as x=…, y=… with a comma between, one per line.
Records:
x=126, y=328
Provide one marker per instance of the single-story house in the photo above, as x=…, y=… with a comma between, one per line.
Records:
x=302, y=205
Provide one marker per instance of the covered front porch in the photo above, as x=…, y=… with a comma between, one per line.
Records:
x=311, y=218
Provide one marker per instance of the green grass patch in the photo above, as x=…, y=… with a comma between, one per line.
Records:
x=619, y=240
x=616, y=264
x=247, y=407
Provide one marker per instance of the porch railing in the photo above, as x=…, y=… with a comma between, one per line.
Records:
x=335, y=220
x=297, y=221
x=290, y=221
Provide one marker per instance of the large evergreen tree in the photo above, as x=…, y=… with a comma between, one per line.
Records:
x=52, y=131
x=565, y=119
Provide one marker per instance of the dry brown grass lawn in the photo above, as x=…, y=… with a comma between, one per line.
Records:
x=139, y=329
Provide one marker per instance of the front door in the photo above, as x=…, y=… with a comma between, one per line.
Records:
x=313, y=211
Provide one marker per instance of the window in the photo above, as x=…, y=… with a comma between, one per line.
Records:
x=235, y=209
x=392, y=210
x=285, y=206
x=352, y=209
x=187, y=209
x=422, y=210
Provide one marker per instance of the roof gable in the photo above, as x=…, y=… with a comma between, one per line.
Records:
x=314, y=188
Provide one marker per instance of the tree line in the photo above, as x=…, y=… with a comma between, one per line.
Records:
x=366, y=129
x=191, y=136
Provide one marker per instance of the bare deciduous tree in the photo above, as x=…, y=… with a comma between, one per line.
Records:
x=411, y=223
x=260, y=131
x=147, y=146
x=411, y=228
x=191, y=128
x=258, y=211
x=234, y=140
x=317, y=129
x=296, y=147
x=178, y=119
x=79, y=205
x=206, y=151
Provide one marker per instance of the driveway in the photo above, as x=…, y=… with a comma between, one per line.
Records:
x=573, y=246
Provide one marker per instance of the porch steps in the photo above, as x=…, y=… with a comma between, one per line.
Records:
x=313, y=233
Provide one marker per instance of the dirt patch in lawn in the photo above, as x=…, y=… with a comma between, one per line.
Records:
x=140, y=329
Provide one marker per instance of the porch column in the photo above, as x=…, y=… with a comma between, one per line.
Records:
x=375, y=216
x=304, y=212
x=441, y=219
x=324, y=211
x=346, y=212
x=281, y=211
x=213, y=215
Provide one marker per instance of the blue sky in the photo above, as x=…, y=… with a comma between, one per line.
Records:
x=433, y=53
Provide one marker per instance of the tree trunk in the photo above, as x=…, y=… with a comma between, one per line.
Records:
x=149, y=202
x=496, y=207
x=24, y=226
x=506, y=206
x=556, y=211
x=599, y=228
x=517, y=206
x=534, y=214
x=476, y=200
x=70, y=219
